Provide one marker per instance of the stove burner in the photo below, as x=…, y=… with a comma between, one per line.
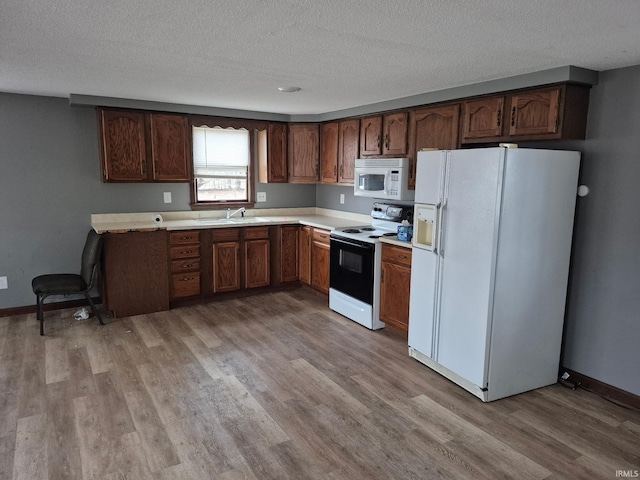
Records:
x=351, y=230
x=390, y=234
x=374, y=236
x=368, y=229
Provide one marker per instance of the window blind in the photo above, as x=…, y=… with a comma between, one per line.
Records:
x=220, y=152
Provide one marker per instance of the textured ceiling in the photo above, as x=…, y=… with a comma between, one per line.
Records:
x=342, y=53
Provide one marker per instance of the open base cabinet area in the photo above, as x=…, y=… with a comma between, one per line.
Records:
x=276, y=386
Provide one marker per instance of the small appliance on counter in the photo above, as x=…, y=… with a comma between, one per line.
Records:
x=356, y=262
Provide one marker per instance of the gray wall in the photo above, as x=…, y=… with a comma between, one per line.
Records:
x=50, y=184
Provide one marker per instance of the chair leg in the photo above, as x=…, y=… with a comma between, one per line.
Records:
x=93, y=307
x=40, y=314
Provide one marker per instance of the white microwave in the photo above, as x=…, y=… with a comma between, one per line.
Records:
x=385, y=178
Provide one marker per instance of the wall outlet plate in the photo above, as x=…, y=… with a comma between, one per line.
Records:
x=3, y=283
x=167, y=197
x=342, y=199
x=261, y=196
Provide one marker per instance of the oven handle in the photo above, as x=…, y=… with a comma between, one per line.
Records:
x=354, y=243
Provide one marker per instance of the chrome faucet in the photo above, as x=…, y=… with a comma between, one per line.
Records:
x=231, y=214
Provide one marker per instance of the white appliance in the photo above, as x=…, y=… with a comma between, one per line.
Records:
x=384, y=178
x=356, y=263
x=492, y=240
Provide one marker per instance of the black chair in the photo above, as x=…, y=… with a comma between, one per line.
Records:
x=70, y=283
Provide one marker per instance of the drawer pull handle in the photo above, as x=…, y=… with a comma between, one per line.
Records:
x=188, y=265
x=186, y=279
x=186, y=251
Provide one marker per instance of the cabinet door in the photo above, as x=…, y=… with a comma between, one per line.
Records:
x=482, y=118
x=169, y=148
x=320, y=266
x=257, y=265
x=289, y=253
x=272, y=154
x=304, y=254
x=535, y=113
x=432, y=127
x=348, y=143
x=395, y=134
x=394, y=295
x=304, y=153
x=226, y=266
x=371, y=135
x=124, y=157
x=329, y=153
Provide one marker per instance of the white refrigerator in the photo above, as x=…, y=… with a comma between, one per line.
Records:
x=491, y=247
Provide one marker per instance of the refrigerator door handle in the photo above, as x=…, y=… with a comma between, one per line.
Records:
x=440, y=236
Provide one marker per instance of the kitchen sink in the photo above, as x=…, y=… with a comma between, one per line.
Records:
x=212, y=221
x=247, y=220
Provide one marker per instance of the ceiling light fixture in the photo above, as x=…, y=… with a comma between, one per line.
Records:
x=289, y=89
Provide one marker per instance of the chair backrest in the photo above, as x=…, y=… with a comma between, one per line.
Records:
x=91, y=256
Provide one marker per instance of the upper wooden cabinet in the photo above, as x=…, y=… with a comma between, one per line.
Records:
x=482, y=118
x=272, y=154
x=348, y=142
x=124, y=156
x=432, y=127
x=329, y=152
x=144, y=147
x=371, y=135
x=552, y=113
x=384, y=134
x=304, y=153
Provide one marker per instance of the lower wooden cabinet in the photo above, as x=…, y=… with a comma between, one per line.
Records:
x=256, y=257
x=135, y=272
x=304, y=255
x=184, y=257
x=395, y=286
x=289, y=239
x=320, y=259
x=225, y=258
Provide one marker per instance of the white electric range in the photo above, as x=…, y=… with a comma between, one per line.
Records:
x=356, y=264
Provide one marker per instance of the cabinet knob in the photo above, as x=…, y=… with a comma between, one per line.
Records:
x=499, y=119
x=386, y=141
x=513, y=116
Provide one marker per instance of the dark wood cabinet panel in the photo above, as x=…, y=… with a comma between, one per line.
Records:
x=482, y=117
x=304, y=255
x=535, y=112
x=170, y=148
x=394, y=129
x=144, y=147
x=124, y=157
x=432, y=127
x=329, y=153
x=257, y=266
x=348, y=147
x=135, y=272
x=320, y=259
x=272, y=154
x=226, y=266
x=371, y=135
x=184, y=255
x=304, y=153
x=289, y=239
x=395, y=286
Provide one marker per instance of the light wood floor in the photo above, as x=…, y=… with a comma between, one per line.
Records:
x=275, y=387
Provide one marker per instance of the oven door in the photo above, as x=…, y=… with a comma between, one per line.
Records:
x=351, y=268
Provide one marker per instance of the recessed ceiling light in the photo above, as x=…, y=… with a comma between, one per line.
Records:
x=289, y=89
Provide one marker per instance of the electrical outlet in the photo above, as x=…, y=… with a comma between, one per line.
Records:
x=167, y=197
x=261, y=196
x=565, y=375
x=342, y=199
x=3, y=283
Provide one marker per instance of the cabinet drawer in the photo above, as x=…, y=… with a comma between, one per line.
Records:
x=321, y=236
x=187, y=265
x=184, y=251
x=225, y=234
x=401, y=255
x=185, y=285
x=177, y=238
x=256, y=232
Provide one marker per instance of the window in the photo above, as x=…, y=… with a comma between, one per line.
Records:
x=221, y=164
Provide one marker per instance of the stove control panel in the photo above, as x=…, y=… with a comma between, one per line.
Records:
x=394, y=213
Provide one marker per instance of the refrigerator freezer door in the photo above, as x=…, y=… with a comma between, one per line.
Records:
x=422, y=313
x=469, y=242
x=425, y=227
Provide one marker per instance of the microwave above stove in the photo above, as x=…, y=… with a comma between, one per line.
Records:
x=384, y=178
